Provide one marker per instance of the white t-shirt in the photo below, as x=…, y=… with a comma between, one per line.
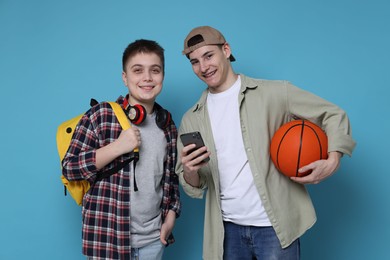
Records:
x=240, y=200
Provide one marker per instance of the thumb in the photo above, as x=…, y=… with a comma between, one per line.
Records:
x=163, y=236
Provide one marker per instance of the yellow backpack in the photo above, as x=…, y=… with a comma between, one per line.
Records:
x=77, y=189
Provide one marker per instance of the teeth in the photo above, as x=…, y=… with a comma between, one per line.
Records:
x=209, y=74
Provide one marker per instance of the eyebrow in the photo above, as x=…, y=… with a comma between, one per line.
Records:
x=152, y=66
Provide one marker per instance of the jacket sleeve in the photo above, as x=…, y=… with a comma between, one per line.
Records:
x=79, y=161
x=331, y=118
x=194, y=192
x=171, y=183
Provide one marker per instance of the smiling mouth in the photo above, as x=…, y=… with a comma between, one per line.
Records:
x=210, y=74
x=146, y=87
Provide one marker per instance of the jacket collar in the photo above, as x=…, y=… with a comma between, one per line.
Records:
x=246, y=84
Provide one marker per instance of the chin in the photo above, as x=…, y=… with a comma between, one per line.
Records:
x=212, y=83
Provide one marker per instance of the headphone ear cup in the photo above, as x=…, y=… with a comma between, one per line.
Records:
x=163, y=118
x=137, y=114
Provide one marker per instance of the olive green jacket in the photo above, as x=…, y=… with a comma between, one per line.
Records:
x=264, y=106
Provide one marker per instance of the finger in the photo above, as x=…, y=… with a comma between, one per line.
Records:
x=187, y=148
x=163, y=241
x=200, y=159
x=197, y=153
x=306, y=168
x=309, y=179
x=184, y=154
x=163, y=237
x=300, y=180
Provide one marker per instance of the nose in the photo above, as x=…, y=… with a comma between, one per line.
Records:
x=148, y=76
x=203, y=66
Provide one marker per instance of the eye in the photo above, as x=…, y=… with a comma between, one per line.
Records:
x=209, y=56
x=137, y=70
x=194, y=62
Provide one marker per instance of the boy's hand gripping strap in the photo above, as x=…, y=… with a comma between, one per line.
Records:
x=125, y=124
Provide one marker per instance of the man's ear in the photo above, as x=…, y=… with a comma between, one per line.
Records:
x=226, y=50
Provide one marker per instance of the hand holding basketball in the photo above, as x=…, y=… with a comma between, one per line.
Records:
x=320, y=170
x=296, y=144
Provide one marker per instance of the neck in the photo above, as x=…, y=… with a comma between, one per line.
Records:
x=148, y=106
x=230, y=80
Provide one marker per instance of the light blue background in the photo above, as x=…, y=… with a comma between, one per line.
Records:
x=55, y=55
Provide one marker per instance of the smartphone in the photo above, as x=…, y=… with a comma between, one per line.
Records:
x=193, y=138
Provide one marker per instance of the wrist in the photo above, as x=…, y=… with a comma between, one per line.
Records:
x=335, y=155
x=192, y=178
x=117, y=148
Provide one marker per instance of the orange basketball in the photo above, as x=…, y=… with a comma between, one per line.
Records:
x=296, y=144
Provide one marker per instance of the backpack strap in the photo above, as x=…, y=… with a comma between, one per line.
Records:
x=125, y=124
x=122, y=118
x=120, y=114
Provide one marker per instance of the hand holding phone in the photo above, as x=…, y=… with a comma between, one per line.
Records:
x=193, y=138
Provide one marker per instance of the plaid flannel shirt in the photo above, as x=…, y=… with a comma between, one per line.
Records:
x=106, y=206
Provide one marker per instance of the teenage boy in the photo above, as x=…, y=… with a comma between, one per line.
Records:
x=131, y=214
x=252, y=211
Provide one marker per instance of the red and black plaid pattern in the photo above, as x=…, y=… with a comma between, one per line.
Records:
x=106, y=206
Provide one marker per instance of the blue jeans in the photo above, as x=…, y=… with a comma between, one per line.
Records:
x=153, y=251
x=249, y=242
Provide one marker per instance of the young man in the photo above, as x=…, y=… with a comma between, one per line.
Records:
x=132, y=212
x=252, y=211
